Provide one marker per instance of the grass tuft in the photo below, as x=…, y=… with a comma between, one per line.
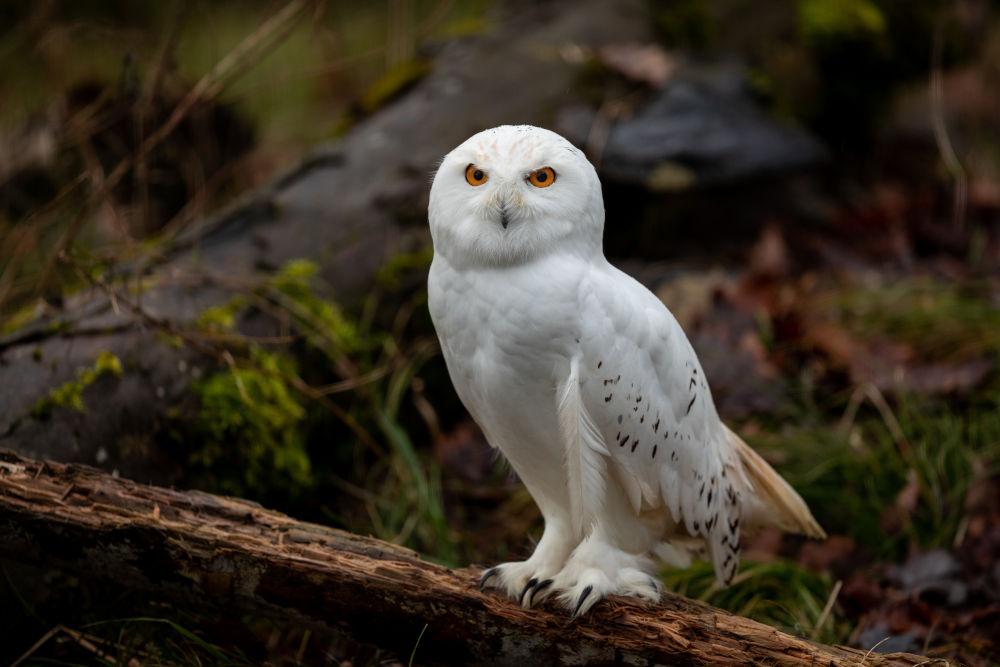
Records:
x=779, y=593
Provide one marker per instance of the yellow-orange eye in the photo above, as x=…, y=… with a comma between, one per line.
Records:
x=542, y=178
x=474, y=175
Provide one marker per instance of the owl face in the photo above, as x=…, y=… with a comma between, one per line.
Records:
x=513, y=193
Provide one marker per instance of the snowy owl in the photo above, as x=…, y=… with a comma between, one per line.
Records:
x=584, y=380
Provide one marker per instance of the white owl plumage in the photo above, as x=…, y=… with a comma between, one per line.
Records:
x=584, y=380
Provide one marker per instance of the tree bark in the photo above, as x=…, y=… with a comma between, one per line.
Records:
x=203, y=550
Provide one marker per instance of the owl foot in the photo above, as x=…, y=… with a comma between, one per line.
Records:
x=519, y=581
x=597, y=570
x=524, y=581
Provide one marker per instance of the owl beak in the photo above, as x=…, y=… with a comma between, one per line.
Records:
x=505, y=200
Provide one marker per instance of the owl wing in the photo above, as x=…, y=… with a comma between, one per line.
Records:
x=645, y=404
x=637, y=396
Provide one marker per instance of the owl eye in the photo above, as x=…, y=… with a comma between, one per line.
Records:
x=474, y=175
x=542, y=178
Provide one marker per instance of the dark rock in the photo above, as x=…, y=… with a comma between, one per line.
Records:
x=703, y=128
x=934, y=573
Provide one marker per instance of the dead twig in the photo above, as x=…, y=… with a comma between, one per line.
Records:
x=247, y=53
x=87, y=642
x=827, y=608
x=940, y=129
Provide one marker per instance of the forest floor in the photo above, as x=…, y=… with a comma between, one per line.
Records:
x=859, y=355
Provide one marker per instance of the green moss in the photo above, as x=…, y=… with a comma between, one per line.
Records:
x=329, y=329
x=392, y=83
x=401, y=264
x=223, y=316
x=57, y=326
x=820, y=20
x=253, y=430
x=688, y=24
x=18, y=319
x=248, y=429
x=466, y=27
x=173, y=341
x=70, y=394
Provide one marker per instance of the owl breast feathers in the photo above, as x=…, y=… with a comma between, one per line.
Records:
x=584, y=380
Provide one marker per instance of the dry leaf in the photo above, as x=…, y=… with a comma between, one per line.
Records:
x=647, y=63
x=897, y=516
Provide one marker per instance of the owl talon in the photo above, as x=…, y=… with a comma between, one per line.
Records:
x=583, y=597
x=487, y=575
x=541, y=586
x=528, y=586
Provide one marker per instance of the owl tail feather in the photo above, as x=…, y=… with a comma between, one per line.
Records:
x=585, y=454
x=773, y=501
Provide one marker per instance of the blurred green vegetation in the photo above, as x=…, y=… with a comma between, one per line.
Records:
x=891, y=473
x=84, y=85
x=294, y=95
x=940, y=320
x=779, y=593
x=831, y=64
x=260, y=427
x=852, y=487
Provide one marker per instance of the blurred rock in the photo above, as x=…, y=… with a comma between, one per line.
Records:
x=834, y=554
x=934, y=573
x=703, y=128
x=879, y=640
x=646, y=63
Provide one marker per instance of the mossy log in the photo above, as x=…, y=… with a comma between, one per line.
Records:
x=203, y=550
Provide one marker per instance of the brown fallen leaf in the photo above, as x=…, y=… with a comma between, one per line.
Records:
x=646, y=63
x=833, y=554
x=769, y=255
x=465, y=452
x=897, y=516
x=943, y=377
x=891, y=366
x=764, y=546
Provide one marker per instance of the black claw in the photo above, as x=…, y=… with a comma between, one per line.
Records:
x=583, y=596
x=540, y=587
x=487, y=575
x=655, y=585
x=531, y=584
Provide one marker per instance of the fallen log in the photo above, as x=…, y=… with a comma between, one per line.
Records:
x=202, y=550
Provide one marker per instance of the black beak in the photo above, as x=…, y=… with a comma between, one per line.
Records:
x=504, y=220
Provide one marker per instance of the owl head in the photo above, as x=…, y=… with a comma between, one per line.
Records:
x=514, y=193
